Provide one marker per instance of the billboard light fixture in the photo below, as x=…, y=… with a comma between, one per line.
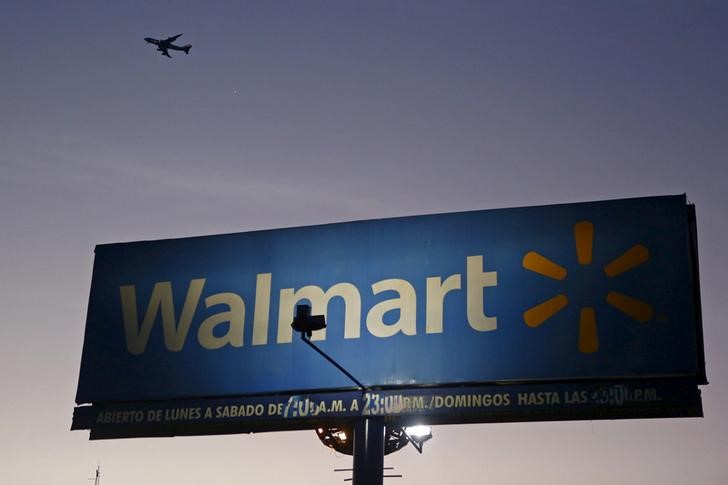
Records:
x=305, y=323
x=419, y=431
x=418, y=435
x=395, y=438
x=341, y=439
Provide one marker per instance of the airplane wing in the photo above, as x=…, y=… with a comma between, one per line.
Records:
x=173, y=38
x=164, y=52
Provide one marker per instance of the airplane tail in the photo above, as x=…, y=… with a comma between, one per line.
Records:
x=187, y=48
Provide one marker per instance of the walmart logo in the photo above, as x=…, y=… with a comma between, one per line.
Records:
x=588, y=334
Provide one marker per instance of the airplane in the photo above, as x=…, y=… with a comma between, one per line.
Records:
x=164, y=45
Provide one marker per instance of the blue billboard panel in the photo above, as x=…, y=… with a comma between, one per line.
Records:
x=589, y=291
x=641, y=398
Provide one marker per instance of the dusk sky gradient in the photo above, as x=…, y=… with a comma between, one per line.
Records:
x=289, y=113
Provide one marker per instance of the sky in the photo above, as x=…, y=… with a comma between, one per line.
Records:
x=289, y=113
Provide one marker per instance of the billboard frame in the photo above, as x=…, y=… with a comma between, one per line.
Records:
x=680, y=395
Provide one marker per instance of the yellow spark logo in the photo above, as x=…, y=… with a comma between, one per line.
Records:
x=584, y=238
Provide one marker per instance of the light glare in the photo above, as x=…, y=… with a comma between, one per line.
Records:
x=418, y=431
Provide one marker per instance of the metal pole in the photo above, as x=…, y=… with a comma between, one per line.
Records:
x=332, y=361
x=369, y=451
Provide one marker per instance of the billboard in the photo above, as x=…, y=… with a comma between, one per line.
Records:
x=587, y=296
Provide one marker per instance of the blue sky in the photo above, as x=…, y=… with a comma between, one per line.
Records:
x=293, y=113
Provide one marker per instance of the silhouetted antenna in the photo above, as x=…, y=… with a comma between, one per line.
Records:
x=97, y=478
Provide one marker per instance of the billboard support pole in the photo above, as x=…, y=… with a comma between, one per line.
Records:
x=368, y=432
x=368, y=452
x=368, y=436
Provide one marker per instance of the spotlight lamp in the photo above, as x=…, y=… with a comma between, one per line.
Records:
x=340, y=439
x=305, y=323
x=418, y=435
